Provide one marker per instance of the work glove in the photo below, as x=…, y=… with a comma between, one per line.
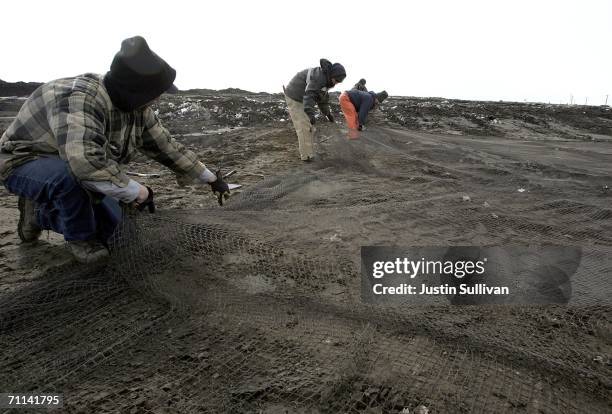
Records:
x=330, y=117
x=148, y=203
x=312, y=119
x=220, y=188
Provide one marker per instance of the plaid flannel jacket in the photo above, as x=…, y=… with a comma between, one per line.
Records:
x=75, y=119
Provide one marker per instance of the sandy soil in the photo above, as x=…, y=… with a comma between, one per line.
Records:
x=427, y=172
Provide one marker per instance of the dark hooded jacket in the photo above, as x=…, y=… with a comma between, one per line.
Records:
x=363, y=102
x=311, y=86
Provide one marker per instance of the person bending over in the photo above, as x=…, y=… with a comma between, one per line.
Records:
x=307, y=88
x=356, y=105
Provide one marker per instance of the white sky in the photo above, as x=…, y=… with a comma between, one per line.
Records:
x=534, y=50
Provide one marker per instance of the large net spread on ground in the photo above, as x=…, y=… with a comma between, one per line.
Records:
x=255, y=307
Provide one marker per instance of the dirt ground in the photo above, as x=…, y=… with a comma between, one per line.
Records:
x=426, y=172
x=547, y=147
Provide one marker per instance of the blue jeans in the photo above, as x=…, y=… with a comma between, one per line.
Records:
x=62, y=205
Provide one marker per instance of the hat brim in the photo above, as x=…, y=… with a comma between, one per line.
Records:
x=172, y=90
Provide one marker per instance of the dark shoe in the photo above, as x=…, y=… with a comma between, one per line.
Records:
x=27, y=229
x=89, y=251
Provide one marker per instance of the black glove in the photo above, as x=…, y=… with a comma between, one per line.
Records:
x=220, y=188
x=360, y=127
x=312, y=119
x=148, y=203
x=330, y=117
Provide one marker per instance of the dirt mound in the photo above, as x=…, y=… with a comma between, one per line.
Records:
x=519, y=120
x=202, y=110
x=454, y=117
x=17, y=88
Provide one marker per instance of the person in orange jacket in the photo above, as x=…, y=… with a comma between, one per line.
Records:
x=356, y=104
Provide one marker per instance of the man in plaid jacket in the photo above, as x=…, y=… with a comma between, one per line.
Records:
x=70, y=139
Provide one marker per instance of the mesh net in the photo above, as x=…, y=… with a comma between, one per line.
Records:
x=255, y=307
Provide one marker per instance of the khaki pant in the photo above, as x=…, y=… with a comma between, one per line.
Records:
x=304, y=130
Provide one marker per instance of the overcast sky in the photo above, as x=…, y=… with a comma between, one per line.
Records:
x=534, y=50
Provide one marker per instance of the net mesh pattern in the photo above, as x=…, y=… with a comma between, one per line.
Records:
x=256, y=307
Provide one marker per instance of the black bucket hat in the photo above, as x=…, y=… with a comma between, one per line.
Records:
x=138, y=75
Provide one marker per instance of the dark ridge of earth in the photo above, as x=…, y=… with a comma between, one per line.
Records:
x=24, y=89
x=233, y=107
x=17, y=88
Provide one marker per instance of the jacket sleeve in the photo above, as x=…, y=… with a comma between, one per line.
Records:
x=324, y=103
x=366, y=104
x=310, y=100
x=156, y=143
x=312, y=93
x=78, y=123
x=126, y=194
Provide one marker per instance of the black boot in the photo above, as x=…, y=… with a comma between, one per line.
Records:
x=27, y=229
